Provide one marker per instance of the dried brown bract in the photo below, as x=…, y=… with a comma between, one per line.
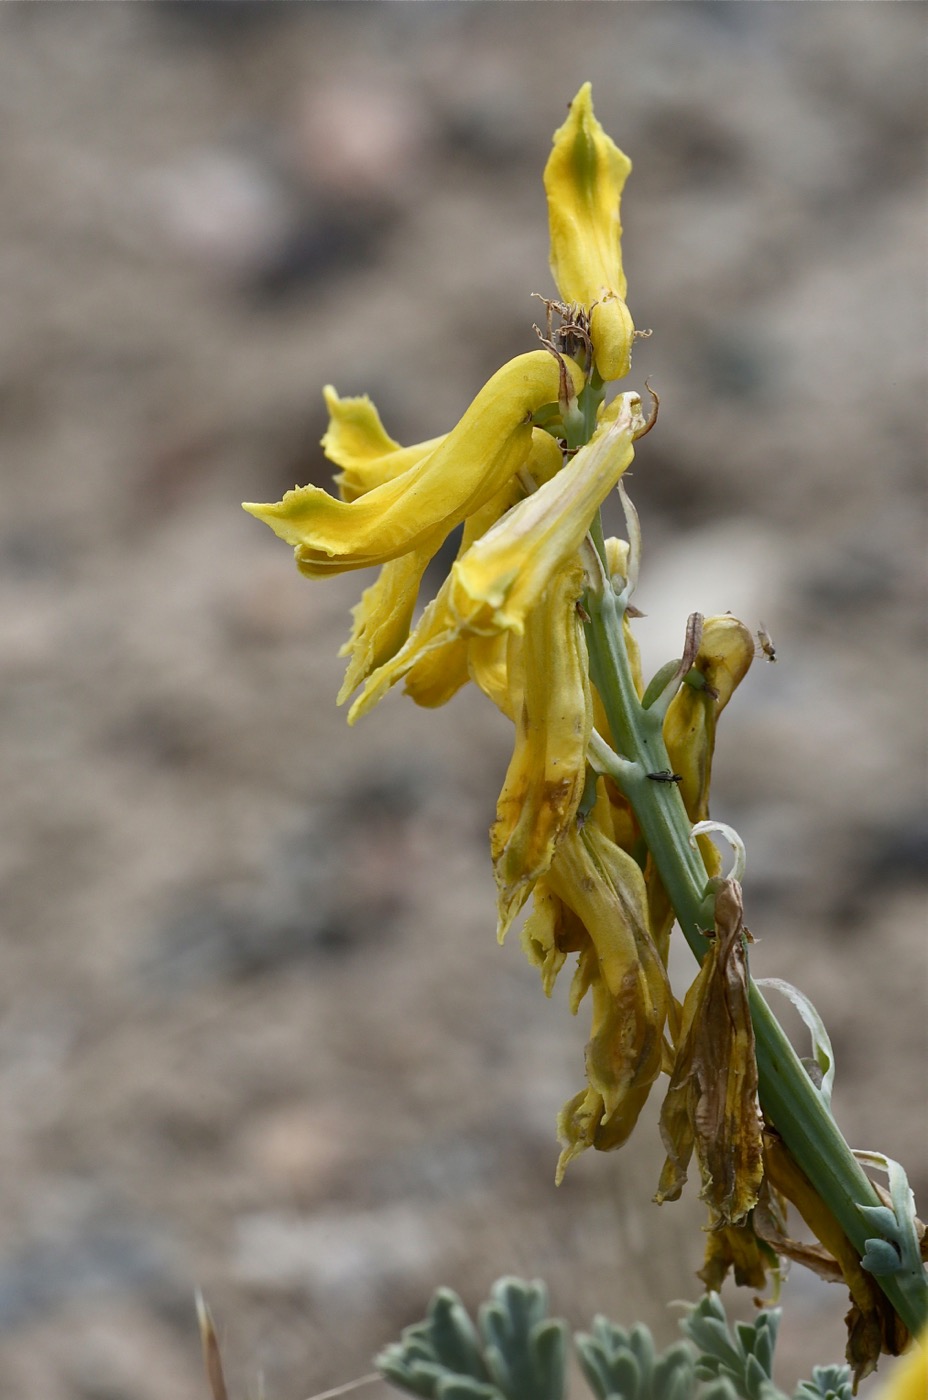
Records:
x=711, y=1104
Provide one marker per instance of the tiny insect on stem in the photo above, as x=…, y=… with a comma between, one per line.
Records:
x=664, y=775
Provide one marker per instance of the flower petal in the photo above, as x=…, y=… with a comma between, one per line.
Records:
x=356, y=441
x=355, y=432
x=542, y=935
x=381, y=620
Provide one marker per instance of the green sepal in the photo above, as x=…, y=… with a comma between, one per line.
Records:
x=548, y=416
x=695, y=679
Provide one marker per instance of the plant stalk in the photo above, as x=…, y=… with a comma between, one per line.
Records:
x=789, y=1099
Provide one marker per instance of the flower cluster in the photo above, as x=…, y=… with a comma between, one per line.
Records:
x=524, y=472
x=603, y=819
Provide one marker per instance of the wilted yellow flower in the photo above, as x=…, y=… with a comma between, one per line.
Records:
x=740, y=1250
x=873, y=1325
x=593, y=901
x=584, y=178
x=726, y=650
x=711, y=1103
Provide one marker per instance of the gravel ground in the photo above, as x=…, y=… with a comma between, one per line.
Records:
x=255, y=1032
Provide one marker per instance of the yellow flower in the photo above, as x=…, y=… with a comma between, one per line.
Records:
x=726, y=650
x=434, y=656
x=584, y=178
x=502, y=576
x=547, y=774
x=593, y=901
x=420, y=507
x=382, y=618
x=504, y=565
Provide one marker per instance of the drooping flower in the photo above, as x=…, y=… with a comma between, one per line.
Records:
x=593, y=902
x=726, y=650
x=547, y=774
x=711, y=1103
x=603, y=889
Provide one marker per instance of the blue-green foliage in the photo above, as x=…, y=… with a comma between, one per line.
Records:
x=827, y=1383
x=516, y=1352
x=621, y=1365
x=743, y=1357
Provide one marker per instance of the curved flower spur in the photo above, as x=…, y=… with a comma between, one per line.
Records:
x=603, y=819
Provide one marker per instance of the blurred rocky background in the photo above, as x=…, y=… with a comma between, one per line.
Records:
x=255, y=1032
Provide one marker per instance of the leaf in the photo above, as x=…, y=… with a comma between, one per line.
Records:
x=821, y=1042
x=623, y=1364
x=744, y=1358
x=453, y=1336
x=827, y=1383
x=900, y=1225
x=212, y=1358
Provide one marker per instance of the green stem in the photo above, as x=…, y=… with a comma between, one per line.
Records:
x=788, y=1097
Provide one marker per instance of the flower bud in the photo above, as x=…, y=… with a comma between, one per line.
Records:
x=584, y=178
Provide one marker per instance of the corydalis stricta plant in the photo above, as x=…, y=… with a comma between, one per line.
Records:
x=603, y=819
